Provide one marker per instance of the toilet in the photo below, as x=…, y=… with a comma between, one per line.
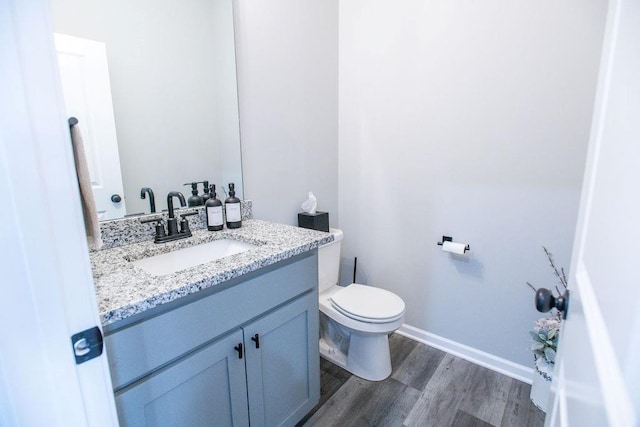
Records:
x=355, y=320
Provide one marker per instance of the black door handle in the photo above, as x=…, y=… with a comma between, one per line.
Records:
x=238, y=348
x=256, y=339
x=545, y=301
x=115, y=198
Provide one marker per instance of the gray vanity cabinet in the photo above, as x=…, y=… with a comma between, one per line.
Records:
x=206, y=388
x=182, y=367
x=282, y=379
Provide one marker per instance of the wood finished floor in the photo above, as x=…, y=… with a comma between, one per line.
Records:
x=427, y=388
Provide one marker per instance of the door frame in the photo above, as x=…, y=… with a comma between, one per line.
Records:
x=48, y=285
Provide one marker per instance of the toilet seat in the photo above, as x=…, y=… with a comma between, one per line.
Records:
x=368, y=304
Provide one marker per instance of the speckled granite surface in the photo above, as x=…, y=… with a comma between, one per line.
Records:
x=128, y=230
x=124, y=290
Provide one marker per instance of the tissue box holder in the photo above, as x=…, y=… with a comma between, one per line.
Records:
x=317, y=221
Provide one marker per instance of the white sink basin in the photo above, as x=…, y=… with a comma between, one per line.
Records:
x=182, y=259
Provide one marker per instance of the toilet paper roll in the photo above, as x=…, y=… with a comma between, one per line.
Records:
x=454, y=248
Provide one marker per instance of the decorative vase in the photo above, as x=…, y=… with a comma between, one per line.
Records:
x=541, y=386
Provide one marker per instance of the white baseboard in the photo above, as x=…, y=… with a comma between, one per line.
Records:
x=479, y=357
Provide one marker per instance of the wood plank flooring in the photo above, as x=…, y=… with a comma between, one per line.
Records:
x=428, y=387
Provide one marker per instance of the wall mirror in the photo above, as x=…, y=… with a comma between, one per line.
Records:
x=172, y=72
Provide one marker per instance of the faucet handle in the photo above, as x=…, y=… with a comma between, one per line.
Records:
x=184, y=224
x=160, y=233
x=183, y=215
x=158, y=218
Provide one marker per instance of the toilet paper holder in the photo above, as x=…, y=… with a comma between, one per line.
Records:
x=450, y=239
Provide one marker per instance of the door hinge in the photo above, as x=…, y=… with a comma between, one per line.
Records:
x=87, y=344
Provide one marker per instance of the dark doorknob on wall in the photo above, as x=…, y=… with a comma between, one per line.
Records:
x=115, y=198
x=545, y=301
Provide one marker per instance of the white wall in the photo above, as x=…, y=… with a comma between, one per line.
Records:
x=288, y=90
x=468, y=119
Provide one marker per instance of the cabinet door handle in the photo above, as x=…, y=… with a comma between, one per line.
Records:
x=238, y=348
x=256, y=339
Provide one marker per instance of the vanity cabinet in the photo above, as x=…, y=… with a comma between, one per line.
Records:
x=280, y=388
x=208, y=385
x=244, y=355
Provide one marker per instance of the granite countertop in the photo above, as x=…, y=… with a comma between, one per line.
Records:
x=124, y=290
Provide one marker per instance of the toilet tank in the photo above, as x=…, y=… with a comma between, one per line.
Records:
x=329, y=261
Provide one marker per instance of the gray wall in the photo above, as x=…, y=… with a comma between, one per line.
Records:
x=287, y=54
x=465, y=119
x=468, y=119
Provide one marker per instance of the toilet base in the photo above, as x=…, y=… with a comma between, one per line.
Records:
x=368, y=356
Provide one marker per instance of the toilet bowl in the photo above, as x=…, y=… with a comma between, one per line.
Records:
x=355, y=320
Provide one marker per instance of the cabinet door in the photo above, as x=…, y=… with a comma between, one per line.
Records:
x=207, y=388
x=283, y=374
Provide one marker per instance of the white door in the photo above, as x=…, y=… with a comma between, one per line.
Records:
x=597, y=377
x=46, y=284
x=87, y=96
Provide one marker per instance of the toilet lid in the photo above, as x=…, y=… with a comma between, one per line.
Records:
x=368, y=304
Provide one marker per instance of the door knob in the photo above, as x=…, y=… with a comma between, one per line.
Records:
x=115, y=198
x=545, y=301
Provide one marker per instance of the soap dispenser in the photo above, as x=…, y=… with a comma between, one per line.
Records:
x=232, y=208
x=213, y=209
x=194, y=200
x=205, y=195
